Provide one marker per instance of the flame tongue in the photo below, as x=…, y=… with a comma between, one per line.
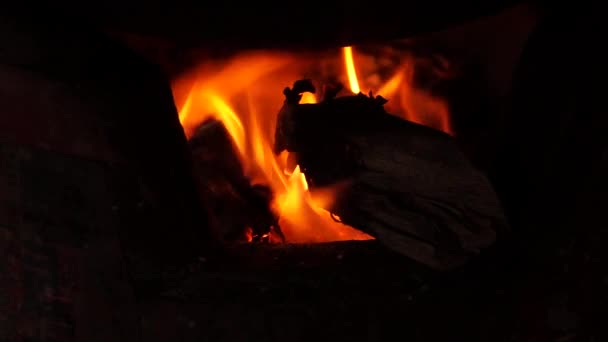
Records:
x=349, y=61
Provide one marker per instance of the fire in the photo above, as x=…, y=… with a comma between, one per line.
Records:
x=308, y=98
x=245, y=94
x=349, y=61
x=415, y=104
x=304, y=217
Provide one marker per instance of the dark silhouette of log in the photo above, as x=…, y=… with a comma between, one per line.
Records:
x=409, y=186
x=96, y=193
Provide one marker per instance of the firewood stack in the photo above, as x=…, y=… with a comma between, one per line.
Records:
x=410, y=186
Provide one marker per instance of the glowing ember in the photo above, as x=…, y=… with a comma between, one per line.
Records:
x=245, y=94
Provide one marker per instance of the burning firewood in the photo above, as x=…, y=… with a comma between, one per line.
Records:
x=241, y=211
x=409, y=186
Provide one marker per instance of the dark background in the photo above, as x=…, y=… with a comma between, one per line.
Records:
x=229, y=24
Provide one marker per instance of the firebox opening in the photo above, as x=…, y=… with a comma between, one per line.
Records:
x=385, y=140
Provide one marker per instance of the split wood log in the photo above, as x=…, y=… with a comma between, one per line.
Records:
x=238, y=210
x=410, y=186
x=96, y=196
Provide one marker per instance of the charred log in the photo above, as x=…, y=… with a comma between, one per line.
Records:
x=411, y=187
x=241, y=211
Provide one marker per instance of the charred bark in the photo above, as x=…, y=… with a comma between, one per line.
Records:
x=410, y=186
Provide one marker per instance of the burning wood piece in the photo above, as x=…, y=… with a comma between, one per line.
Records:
x=241, y=211
x=409, y=186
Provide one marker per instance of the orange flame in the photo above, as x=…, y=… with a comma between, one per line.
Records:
x=416, y=104
x=353, y=81
x=308, y=98
x=302, y=214
x=245, y=94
